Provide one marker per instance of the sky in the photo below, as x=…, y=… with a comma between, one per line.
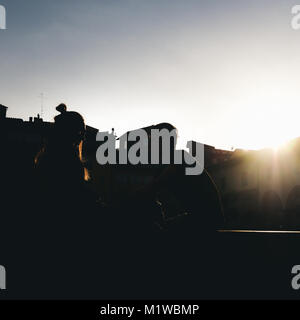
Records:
x=225, y=73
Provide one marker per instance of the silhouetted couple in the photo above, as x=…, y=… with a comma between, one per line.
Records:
x=78, y=246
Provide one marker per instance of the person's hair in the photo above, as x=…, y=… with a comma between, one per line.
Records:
x=86, y=172
x=169, y=127
x=69, y=129
x=165, y=125
x=69, y=125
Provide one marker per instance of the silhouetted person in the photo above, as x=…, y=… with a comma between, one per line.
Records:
x=190, y=212
x=59, y=164
x=195, y=194
x=63, y=223
x=95, y=250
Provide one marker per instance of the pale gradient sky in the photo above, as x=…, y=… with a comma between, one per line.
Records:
x=226, y=73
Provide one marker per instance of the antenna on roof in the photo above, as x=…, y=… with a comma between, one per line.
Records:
x=42, y=97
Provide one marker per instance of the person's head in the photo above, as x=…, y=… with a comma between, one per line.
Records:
x=170, y=129
x=69, y=126
x=66, y=139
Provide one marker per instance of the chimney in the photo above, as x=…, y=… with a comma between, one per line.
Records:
x=38, y=119
x=3, y=111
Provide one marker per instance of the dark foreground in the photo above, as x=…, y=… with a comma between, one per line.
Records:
x=240, y=264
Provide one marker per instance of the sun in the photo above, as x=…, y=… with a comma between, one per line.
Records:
x=273, y=141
